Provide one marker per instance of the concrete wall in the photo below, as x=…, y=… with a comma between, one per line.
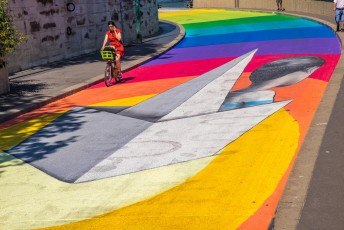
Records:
x=306, y=6
x=58, y=29
x=214, y=3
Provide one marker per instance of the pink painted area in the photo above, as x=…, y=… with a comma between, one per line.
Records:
x=171, y=70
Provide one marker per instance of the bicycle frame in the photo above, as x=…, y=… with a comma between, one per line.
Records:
x=109, y=73
x=110, y=69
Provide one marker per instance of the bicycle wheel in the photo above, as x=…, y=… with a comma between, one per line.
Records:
x=108, y=75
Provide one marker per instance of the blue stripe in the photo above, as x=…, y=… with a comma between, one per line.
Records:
x=248, y=103
x=230, y=29
x=265, y=35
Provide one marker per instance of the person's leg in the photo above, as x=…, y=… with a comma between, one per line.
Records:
x=281, y=7
x=341, y=25
x=278, y=4
x=338, y=18
x=118, y=64
x=341, y=20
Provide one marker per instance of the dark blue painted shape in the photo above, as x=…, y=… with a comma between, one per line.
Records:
x=264, y=35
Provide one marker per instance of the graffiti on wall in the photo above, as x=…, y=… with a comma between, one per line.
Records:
x=58, y=29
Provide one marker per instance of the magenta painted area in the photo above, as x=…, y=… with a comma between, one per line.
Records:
x=170, y=70
x=293, y=46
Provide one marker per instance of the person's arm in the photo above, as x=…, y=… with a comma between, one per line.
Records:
x=105, y=41
x=334, y=5
x=118, y=35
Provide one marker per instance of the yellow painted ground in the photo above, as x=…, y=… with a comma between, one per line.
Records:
x=126, y=101
x=221, y=196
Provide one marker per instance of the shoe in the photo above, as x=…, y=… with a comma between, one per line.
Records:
x=278, y=9
x=341, y=30
x=119, y=77
x=282, y=9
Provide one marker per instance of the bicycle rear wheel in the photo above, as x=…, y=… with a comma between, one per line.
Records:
x=108, y=75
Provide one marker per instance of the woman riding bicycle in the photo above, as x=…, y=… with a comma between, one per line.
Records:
x=114, y=35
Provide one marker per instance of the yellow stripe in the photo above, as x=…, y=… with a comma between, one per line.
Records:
x=188, y=12
x=131, y=101
x=188, y=17
x=17, y=133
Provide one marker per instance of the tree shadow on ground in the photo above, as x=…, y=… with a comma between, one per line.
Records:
x=52, y=137
x=44, y=142
x=22, y=92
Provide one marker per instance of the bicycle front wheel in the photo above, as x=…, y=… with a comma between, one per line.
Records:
x=108, y=75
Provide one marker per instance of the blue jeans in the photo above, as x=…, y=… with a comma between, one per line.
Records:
x=339, y=15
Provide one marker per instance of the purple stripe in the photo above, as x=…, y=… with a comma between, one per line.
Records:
x=290, y=46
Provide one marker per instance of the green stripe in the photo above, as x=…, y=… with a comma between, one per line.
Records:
x=237, y=21
x=211, y=16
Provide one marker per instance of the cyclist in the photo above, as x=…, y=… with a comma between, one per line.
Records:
x=114, y=36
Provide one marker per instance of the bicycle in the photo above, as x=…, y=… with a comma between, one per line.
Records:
x=108, y=54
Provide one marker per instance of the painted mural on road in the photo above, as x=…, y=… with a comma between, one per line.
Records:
x=202, y=137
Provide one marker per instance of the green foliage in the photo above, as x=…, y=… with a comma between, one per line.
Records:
x=9, y=36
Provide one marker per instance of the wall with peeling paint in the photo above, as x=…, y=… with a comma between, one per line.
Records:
x=58, y=29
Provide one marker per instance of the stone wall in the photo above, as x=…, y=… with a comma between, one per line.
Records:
x=59, y=29
x=305, y=6
x=214, y=3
